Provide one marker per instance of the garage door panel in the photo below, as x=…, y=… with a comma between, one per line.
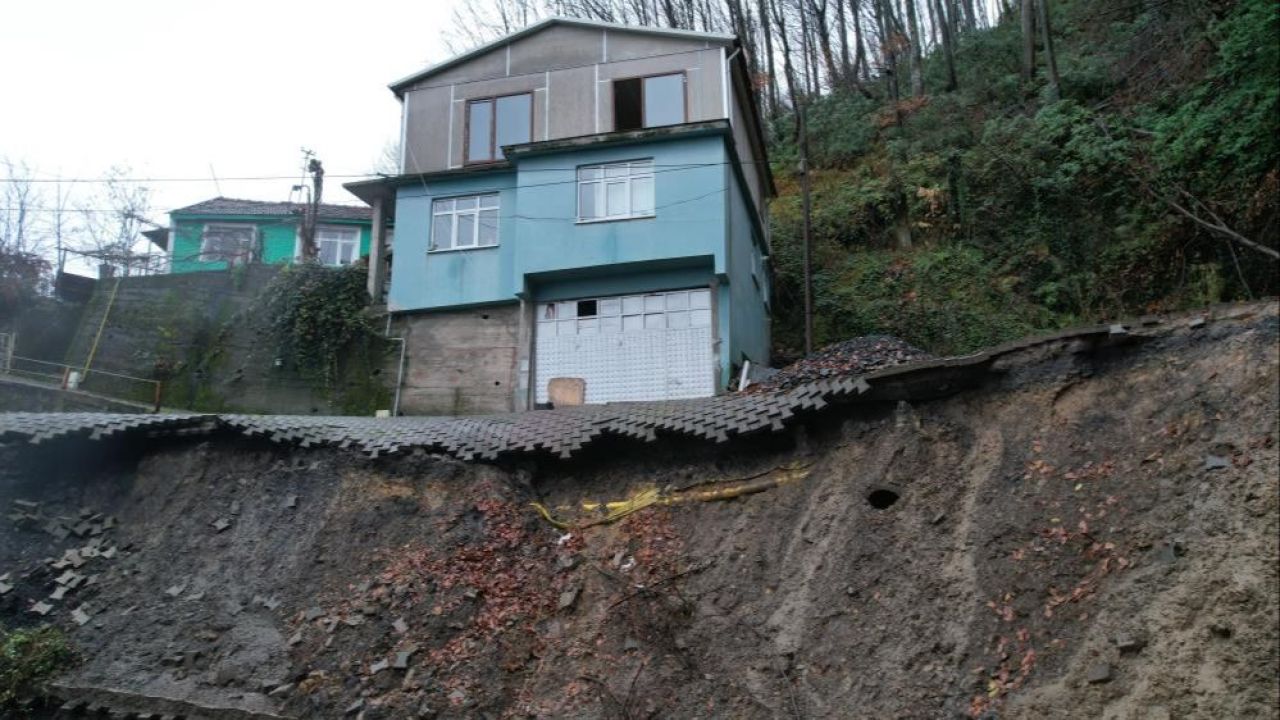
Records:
x=635, y=347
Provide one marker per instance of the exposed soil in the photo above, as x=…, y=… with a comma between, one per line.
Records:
x=1092, y=534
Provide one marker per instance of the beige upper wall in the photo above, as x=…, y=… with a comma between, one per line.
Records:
x=570, y=72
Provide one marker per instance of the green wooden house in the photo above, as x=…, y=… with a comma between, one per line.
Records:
x=224, y=232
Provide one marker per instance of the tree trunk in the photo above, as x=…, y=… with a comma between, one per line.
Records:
x=823, y=33
x=917, y=61
x=844, y=40
x=771, y=91
x=1028, y=40
x=1051, y=59
x=948, y=49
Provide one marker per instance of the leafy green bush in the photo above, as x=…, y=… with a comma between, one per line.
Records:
x=28, y=659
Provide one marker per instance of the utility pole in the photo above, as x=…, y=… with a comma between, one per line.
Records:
x=309, y=249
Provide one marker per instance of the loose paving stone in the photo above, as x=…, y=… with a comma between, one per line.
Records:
x=400, y=626
x=221, y=524
x=379, y=666
x=175, y=590
x=295, y=639
x=568, y=598
x=401, y=661
x=291, y=502
x=1215, y=462
x=281, y=690
x=1099, y=673
x=80, y=616
x=1129, y=644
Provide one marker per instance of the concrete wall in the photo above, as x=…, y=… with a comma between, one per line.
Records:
x=277, y=238
x=462, y=362
x=206, y=332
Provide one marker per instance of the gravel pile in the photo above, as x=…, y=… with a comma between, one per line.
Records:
x=855, y=356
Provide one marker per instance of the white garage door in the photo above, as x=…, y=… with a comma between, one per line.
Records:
x=656, y=346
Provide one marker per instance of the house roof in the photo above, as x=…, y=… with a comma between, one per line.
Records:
x=399, y=86
x=236, y=206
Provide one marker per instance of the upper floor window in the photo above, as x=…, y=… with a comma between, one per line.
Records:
x=470, y=221
x=338, y=245
x=494, y=122
x=615, y=191
x=230, y=243
x=648, y=102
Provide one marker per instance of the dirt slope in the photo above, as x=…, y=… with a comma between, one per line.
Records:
x=1089, y=534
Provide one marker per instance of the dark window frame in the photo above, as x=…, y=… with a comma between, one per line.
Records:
x=684, y=88
x=493, y=128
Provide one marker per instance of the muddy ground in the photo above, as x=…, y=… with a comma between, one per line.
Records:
x=1091, y=534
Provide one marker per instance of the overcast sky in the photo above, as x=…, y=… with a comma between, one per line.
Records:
x=183, y=89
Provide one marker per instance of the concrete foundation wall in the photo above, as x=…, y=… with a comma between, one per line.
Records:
x=461, y=362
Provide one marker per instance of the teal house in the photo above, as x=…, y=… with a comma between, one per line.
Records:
x=578, y=200
x=224, y=232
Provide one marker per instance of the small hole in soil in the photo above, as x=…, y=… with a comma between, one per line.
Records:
x=484, y=317
x=881, y=499
x=497, y=382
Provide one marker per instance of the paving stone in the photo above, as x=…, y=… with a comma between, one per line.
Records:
x=41, y=608
x=568, y=598
x=80, y=615
x=401, y=661
x=379, y=666
x=175, y=590
x=291, y=502
x=1128, y=644
x=58, y=592
x=221, y=524
x=400, y=626
x=1099, y=673
x=1216, y=462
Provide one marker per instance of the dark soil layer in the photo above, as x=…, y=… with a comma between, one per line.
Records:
x=1091, y=535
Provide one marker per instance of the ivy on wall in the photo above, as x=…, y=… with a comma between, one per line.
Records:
x=318, y=317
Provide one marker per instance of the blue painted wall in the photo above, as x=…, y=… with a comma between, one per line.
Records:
x=748, y=294
x=702, y=231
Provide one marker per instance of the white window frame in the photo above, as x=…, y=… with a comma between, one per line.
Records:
x=248, y=250
x=636, y=170
x=438, y=209
x=353, y=243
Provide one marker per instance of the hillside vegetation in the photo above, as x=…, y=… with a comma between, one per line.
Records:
x=963, y=218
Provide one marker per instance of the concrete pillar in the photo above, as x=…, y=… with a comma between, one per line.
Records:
x=378, y=251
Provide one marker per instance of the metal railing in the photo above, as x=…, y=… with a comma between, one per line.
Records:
x=117, y=386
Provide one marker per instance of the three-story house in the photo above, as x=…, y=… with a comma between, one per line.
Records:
x=577, y=200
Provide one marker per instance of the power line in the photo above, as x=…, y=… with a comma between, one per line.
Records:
x=370, y=176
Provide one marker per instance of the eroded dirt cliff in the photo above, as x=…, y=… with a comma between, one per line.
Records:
x=1092, y=532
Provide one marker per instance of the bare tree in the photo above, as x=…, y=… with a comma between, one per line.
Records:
x=18, y=232
x=113, y=221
